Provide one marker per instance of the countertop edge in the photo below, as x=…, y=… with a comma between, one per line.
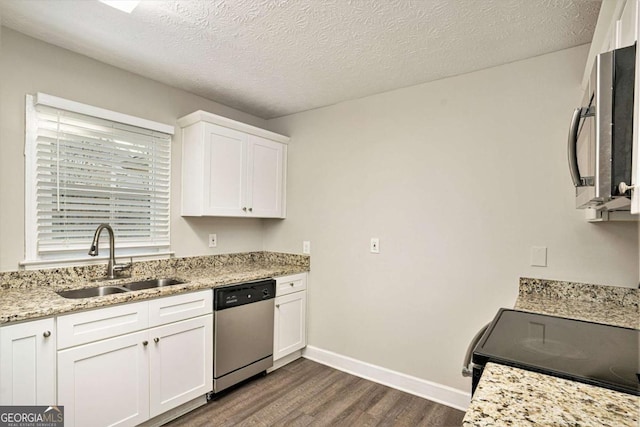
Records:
x=18, y=305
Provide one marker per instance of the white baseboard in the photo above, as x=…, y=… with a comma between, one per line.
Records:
x=429, y=390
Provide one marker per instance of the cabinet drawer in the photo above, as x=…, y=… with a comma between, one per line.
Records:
x=180, y=307
x=288, y=284
x=81, y=328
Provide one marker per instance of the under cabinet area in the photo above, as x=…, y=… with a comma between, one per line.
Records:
x=136, y=361
x=28, y=363
x=231, y=169
x=290, y=315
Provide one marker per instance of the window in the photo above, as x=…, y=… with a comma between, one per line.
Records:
x=86, y=166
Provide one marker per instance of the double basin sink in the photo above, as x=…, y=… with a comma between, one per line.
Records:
x=117, y=289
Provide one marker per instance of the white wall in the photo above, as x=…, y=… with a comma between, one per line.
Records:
x=28, y=66
x=459, y=178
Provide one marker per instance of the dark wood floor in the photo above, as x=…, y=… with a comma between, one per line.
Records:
x=305, y=393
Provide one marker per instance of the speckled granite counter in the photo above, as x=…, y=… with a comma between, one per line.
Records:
x=610, y=305
x=514, y=397
x=509, y=396
x=31, y=294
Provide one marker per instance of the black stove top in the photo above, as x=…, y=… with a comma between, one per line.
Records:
x=602, y=355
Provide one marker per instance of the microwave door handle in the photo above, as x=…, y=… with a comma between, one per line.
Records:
x=571, y=147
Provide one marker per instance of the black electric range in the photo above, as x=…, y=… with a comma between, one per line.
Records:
x=592, y=353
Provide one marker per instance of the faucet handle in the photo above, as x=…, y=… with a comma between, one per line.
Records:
x=123, y=266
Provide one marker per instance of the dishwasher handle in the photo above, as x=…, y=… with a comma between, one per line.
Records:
x=467, y=365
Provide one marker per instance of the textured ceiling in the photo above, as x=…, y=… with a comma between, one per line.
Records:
x=276, y=57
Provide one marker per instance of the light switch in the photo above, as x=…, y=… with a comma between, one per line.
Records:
x=306, y=247
x=539, y=256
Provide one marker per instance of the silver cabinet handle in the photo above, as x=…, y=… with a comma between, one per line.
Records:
x=250, y=209
x=291, y=283
x=145, y=342
x=244, y=209
x=46, y=334
x=277, y=305
x=155, y=340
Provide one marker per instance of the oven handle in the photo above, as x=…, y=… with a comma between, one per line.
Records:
x=467, y=366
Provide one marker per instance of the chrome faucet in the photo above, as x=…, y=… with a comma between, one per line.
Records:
x=112, y=267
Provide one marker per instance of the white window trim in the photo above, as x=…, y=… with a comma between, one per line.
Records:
x=89, y=110
x=31, y=260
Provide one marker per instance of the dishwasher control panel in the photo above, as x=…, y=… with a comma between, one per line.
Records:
x=245, y=293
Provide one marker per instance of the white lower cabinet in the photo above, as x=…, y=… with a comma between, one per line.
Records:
x=180, y=363
x=290, y=324
x=128, y=379
x=105, y=382
x=28, y=363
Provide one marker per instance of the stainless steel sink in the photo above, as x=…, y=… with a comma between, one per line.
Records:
x=110, y=290
x=150, y=284
x=92, y=292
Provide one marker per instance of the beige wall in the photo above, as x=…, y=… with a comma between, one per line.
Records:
x=458, y=178
x=28, y=66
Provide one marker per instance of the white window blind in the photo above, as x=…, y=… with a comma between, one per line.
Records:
x=87, y=170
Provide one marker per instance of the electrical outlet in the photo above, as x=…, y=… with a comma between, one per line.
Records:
x=306, y=247
x=375, y=245
x=213, y=240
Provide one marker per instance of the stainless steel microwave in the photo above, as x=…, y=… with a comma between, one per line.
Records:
x=601, y=134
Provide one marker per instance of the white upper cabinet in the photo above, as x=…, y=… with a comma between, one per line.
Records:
x=266, y=177
x=231, y=169
x=626, y=32
x=617, y=27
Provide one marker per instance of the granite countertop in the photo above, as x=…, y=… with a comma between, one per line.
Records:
x=20, y=300
x=608, y=314
x=609, y=305
x=508, y=396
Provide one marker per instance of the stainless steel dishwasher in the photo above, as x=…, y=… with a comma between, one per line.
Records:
x=242, y=331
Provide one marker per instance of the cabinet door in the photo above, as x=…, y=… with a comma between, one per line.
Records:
x=180, y=363
x=289, y=324
x=265, y=177
x=27, y=363
x=105, y=383
x=225, y=156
